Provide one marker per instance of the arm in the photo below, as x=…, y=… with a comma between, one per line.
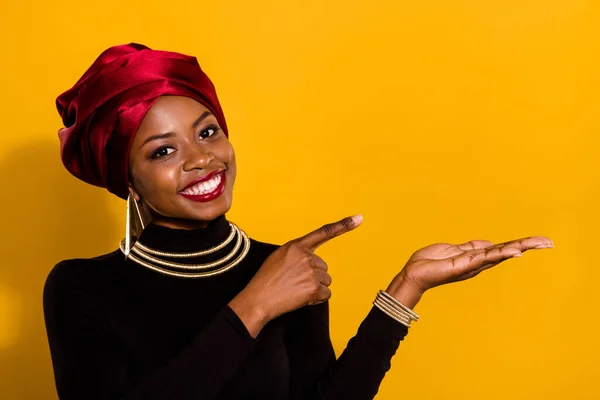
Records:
x=363, y=364
x=357, y=374
x=90, y=361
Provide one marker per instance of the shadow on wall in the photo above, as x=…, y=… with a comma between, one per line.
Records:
x=47, y=216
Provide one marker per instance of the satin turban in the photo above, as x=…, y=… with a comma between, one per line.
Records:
x=104, y=109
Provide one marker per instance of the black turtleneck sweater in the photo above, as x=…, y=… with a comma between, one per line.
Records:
x=118, y=330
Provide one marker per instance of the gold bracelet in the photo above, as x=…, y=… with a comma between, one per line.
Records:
x=390, y=306
x=403, y=321
x=397, y=311
x=382, y=300
x=395, y=301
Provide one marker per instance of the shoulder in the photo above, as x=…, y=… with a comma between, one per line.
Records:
x=80, y=273
x=260, y=250
x=74, y=291
x=264, y=246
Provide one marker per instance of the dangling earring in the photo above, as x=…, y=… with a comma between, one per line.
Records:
x=134, y=224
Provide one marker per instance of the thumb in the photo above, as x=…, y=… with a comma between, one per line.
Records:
x=327, y=232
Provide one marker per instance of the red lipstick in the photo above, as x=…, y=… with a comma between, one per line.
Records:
x=213, y=194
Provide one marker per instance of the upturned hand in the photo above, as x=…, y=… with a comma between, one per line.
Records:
x=443, y=263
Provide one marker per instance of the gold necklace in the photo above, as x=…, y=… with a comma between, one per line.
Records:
x=140, y=254
x=190, y=255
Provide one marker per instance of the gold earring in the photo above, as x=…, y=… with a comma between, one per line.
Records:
x=134, y=224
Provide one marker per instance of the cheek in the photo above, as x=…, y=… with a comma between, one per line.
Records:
x=156, y=181
x=231, y=163
x=223, y=151
x=229, y=155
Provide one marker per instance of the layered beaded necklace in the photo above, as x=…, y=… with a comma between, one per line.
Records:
x=161, y=261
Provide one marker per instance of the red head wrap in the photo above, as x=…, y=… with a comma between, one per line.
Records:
x=104, y=109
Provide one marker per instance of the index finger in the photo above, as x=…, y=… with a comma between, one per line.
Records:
x=327, y=232
x=528, y=243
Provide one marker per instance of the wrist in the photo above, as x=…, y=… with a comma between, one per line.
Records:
x=250, y=311
x=405, y=291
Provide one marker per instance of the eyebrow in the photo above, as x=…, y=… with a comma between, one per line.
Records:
x=159, y=136
x=165, y=135
x=201, y=118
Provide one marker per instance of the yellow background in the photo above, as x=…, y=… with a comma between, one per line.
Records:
x=440, y=121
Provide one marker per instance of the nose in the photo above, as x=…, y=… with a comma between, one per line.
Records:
x=197, y=157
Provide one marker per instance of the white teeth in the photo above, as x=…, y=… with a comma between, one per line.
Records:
x=204, y=187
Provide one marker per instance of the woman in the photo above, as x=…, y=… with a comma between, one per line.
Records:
x=193, y=308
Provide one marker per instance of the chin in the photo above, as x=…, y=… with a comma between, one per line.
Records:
x=209, y=213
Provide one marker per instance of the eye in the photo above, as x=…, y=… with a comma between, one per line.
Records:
x=208, y=131
x=162, y=152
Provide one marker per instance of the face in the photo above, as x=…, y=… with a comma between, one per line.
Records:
x=182, y=166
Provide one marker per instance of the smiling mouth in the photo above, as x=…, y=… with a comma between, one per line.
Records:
x=204, y=187
x=206, y=190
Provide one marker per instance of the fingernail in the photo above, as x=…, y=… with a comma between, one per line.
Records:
x=543, y=246
x=518, y=255
x=357, y=219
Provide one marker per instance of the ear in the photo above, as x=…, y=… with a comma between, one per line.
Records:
x=134, y=193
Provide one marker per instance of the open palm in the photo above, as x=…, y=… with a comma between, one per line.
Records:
x=443, y=263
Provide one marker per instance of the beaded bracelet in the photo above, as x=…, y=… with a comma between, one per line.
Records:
x=389, y=305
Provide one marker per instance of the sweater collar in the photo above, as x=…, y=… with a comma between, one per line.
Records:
x=184, y=240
